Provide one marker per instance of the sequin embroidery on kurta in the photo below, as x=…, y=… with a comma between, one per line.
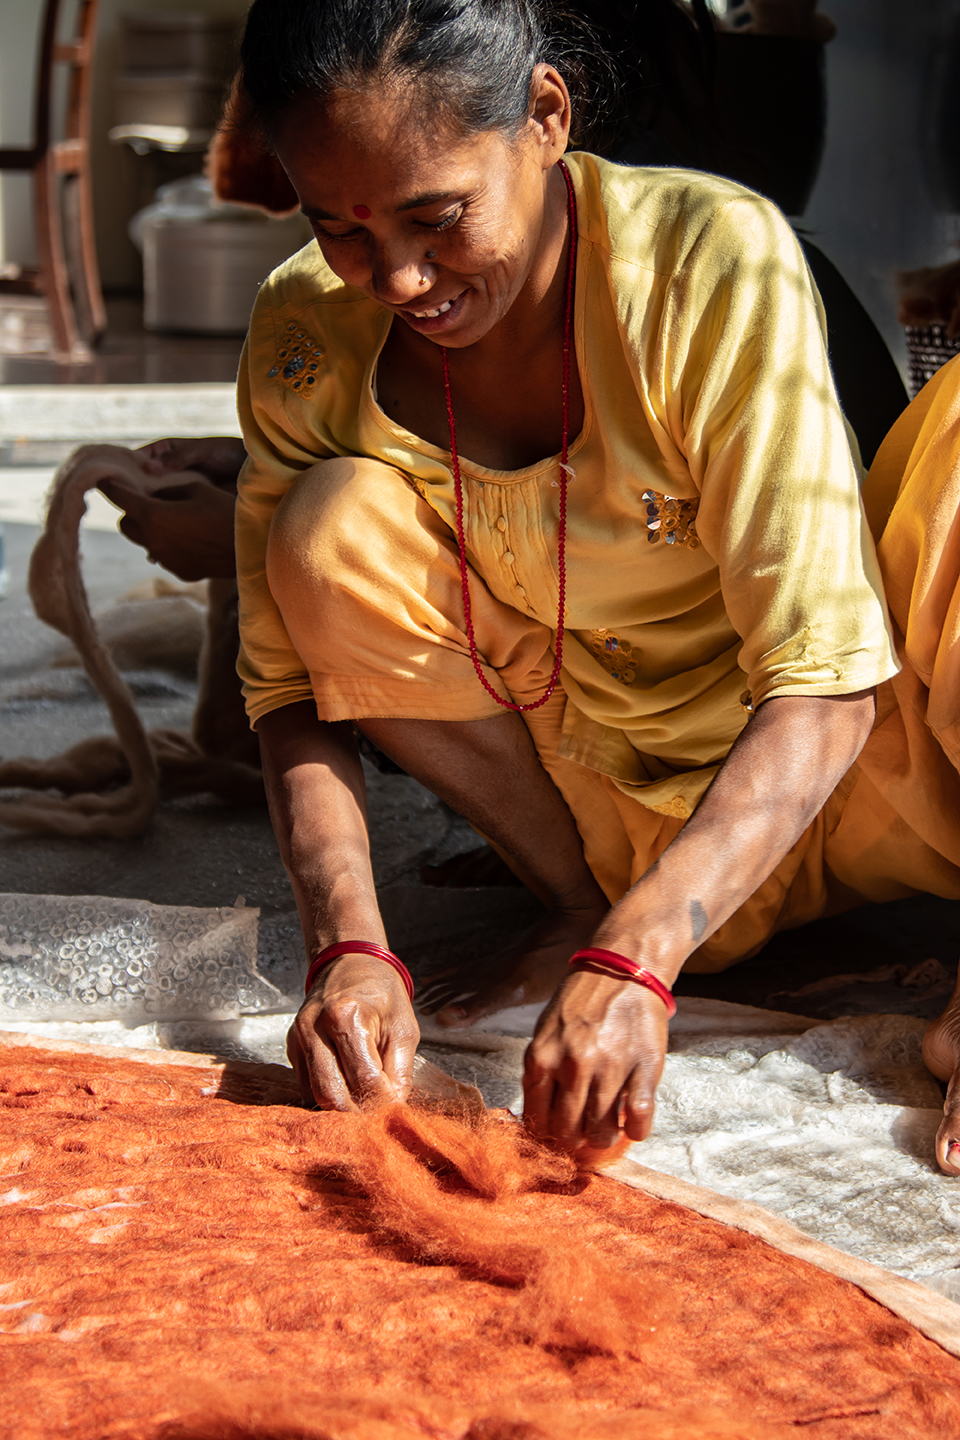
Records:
x=615, y=655
x=297, y=358
x=671, y=520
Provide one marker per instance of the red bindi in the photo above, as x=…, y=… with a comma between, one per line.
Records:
x=362, y=212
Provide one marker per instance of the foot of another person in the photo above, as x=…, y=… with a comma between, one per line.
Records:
x=525, y=973
x=941, y=1053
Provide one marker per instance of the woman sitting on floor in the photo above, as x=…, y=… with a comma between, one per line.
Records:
x=529, y=431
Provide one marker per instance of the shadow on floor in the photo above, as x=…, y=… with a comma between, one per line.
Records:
x=886, y=942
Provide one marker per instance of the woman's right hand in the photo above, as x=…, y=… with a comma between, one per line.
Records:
x=355, y=1036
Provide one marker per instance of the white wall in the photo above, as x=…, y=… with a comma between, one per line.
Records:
x=19, y=38
x=873, y=210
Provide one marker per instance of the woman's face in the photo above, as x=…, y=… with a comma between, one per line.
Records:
x=444, y=230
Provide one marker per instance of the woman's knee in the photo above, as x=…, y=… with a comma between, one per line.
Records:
x=352, y=548
x=339, y=518
x=330, y=505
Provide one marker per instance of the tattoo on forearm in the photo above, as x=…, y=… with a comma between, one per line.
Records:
x=698, y=921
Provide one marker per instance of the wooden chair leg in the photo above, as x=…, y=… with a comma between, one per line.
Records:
x=81, y=256
x=53, y=269
x=91, y=270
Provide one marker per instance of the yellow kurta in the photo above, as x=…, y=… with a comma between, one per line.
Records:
x=716, y=544
x=708, y=400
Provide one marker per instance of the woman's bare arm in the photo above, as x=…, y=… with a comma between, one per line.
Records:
x=599, y=1048
x=355, y=1035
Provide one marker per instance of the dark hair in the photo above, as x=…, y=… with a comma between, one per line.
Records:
x=472, y=60
x=665, y=110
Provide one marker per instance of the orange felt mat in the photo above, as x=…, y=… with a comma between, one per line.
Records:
x=186, y=1253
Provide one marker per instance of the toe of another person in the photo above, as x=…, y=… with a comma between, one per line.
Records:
x=948, y=1141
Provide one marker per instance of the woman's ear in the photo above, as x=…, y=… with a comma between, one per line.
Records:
x=550, y=113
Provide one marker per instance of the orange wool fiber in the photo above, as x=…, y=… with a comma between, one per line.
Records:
x=571, y=1297
x=588, y=1157
x=188, y=1254
x=399, y=1417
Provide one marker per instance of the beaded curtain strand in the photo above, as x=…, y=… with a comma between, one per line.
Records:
x=564, y=476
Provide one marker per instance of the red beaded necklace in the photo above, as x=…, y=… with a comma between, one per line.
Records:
x=564, y=474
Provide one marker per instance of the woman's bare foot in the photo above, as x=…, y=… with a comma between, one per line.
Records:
x=941, y=1054
x=525, y=973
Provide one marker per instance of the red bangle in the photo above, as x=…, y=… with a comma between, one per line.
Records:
x=610, y=960
x=359, y=947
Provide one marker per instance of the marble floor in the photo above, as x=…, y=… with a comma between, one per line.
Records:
x=127, y=354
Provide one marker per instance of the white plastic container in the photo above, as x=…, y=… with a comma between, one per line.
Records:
x=204, y=262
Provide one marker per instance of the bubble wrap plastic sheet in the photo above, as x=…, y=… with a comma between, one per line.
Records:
x=97, y=959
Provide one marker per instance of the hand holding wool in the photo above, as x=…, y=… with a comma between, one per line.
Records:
x=593, y=1066
x=217, y=457
x=187, y=528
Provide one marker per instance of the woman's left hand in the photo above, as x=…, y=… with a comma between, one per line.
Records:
x=594, y=1063
x=598, y=1051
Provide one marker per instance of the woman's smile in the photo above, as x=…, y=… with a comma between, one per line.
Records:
x=437, y=319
